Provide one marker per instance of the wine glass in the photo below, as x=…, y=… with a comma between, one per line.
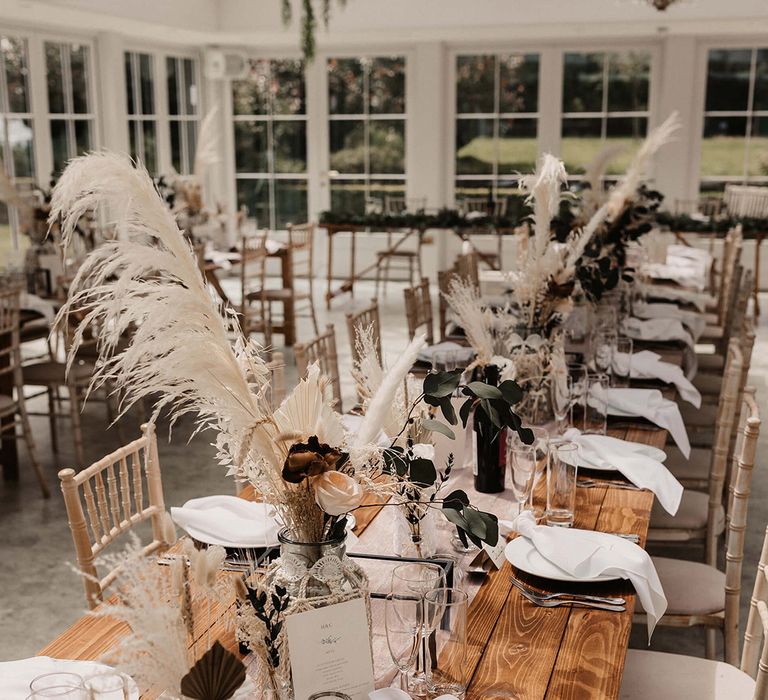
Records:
x=445, y=615
x=403, y=623
x=560, y=390
x=521, y=461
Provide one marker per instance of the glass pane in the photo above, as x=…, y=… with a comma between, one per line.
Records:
x=251, y=147
x=129, y=84
x=628, y=133
x=475, y=146
x=147, y=84
x=519, y=83
x=251, y=95
x=345, y=86
x=290, y=140
x=518, y=148
x=722, y=149
x=583, y=82
x=82, y=136
x=580, y=143
x=290, y=202
x=59, y=144
x=628, y=80
x=20, y=137
x=288, y=87
x=473, y=189
x=761, y=80
x=175, y=129
x=387, y=86
x=387, y=146
x=757, y=164
x=16, y=73
x=728, y=79
x=348, y=146
x=191, y=129
x=348, y=196
x=190, y=86
x=173, y=85
x=78, y=61
x=133, y=130
x=380, y=190
x=55, y=78
x=149, y=131
x=475, y=84
x=254, y=194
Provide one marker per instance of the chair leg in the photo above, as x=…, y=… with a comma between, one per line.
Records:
x=710, y=643
x=77, y=434
x=378, y=277
x=27, y=431
x=52, y=421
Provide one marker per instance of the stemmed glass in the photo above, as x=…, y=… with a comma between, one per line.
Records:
x=521, y=462
x=445, y=615
x=560, y=389
x=403, y=622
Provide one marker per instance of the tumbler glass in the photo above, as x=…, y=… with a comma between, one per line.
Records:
x=596, y=413
x=445, y=613
x=622, y=362
x=561, y=483
x=110, y=685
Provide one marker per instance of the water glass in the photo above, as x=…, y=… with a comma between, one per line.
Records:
x=110, y=685
x=59, y=692
x=560, y=394
x=596, y=412
x=445, y=613
x=622, y=361
x=521, y=466
x=57, y=679
x=603, y=350
x=561, y=483
x=403, y=624
x=577, y=385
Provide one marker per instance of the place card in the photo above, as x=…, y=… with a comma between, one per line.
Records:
x=330, y=650
x=496, y=554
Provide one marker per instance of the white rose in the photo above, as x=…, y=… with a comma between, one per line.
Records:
x=423, y=450
x=337, y=493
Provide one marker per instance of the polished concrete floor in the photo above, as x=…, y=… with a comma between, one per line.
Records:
x=40, y=595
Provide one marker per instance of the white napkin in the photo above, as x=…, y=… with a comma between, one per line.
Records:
x=686, y=272
x=662, y=329
x=676, y=250
x=463, y=353
x=700, y=300
x=397, y=694
x=15, y=676
x=42, y=306
x=650, y=404
x=588, y=554
x=641, y=464
x=229, y=521
x=692, y=320
x=648, y=365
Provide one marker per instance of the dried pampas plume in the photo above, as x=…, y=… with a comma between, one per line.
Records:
x=593, y=197
x=207, y=151
x=464, y=299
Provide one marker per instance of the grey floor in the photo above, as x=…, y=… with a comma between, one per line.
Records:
x=39, y=593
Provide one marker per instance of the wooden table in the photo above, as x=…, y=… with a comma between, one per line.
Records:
x=515, y=649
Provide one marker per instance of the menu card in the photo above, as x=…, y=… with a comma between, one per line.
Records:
x=330, y=650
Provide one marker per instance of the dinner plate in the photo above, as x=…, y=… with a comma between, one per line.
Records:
x=521, y=553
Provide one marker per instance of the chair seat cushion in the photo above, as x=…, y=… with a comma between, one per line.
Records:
x=655, y=675
x=707, y=596
x=51, y=372
x=697, y=466
x=691, y=515
x=708, y=383
x=710, y=362
x=711, y=333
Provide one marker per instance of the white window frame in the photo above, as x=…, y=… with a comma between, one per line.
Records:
x=183, y=117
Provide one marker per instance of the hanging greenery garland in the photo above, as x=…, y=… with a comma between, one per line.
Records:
x=308, y=23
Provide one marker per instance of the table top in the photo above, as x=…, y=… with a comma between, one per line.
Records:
x=515, y=649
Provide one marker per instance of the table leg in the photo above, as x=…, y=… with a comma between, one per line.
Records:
x=328, y=292
x=9, y=456
x=289, y=307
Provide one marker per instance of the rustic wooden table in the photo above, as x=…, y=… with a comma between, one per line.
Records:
x=516, y=650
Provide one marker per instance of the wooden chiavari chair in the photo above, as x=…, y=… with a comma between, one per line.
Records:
x=323, y=351
x=701, y=516
x=411, y=257
x=255, y=304
x=13, y=410
x=713, y=602
x=110, y=497
x=365, y=318
x=466, y=266
x=418, y=310
x=301, y=244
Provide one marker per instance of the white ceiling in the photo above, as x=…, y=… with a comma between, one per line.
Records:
x=258, y=22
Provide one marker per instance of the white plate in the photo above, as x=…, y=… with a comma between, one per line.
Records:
x=521, y=553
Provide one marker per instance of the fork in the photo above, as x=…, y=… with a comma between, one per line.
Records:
x=572, y=602
x=568, y=597
x=593, y=483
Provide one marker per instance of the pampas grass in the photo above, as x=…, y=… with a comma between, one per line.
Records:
x=207, y=150
x=594, y=197
x=475, y=320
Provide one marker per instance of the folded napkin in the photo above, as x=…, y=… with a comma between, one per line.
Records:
x=662, y=329
x=648, y=403
x=648, y=365
x=32, y=302
x=689, y=273
x=692, y=320
x=463, y=353
x=698, y=299
x=641, y=464
x=397, y=694
x=228, y=521
x=588, y=554
x=676, y=250
x=15, y=676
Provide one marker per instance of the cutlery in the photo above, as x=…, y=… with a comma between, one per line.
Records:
x=626, y=536
x=567, y=596
x=592, y=483
x=571, y=602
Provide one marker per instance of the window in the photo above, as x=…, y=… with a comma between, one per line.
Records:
x=16, y=128
x=605, y=100
x=497, y=103
x=182, y=111
x=367, y=112
x=69, y=104
x=142, y=110
x=735, y=143
x=271, y=142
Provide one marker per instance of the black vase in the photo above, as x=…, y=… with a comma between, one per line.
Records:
x=490, y=460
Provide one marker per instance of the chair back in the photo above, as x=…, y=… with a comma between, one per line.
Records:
x=10, y=354
x=399, y=205
x=253, y=274
x=466, y=266
x=323, y=351
x=357, y=322
x=746, y=201
x=301, y=243
x=731, y=257
x=418, y=310
x=740, y=489
x=110, y=497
